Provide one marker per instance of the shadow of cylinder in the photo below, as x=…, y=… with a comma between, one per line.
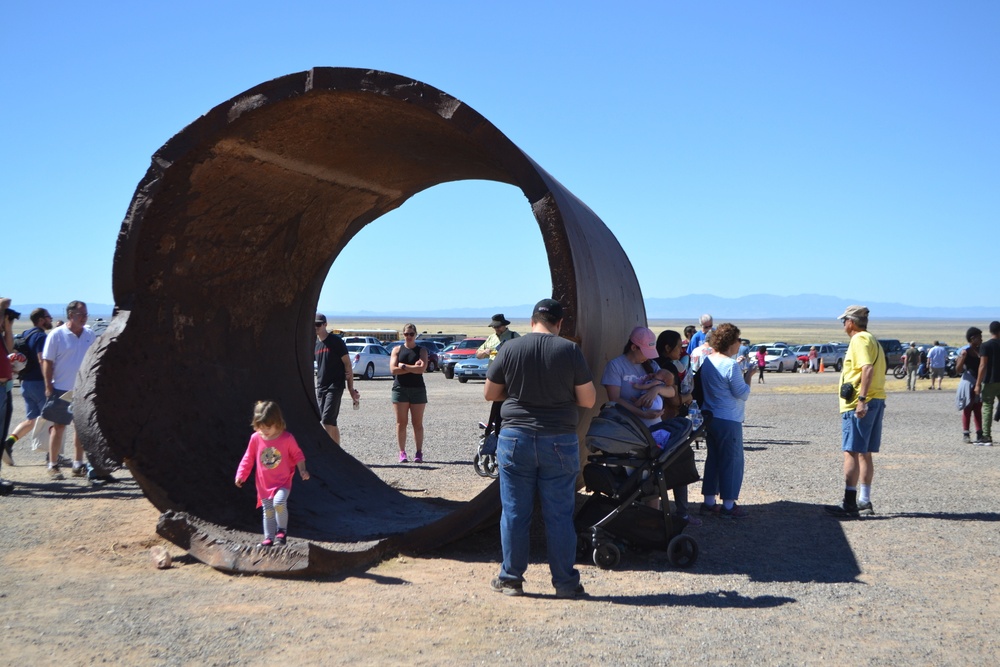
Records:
x=217, y=271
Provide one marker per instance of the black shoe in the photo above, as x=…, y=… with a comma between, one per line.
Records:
x=843, y=511
x=506, y=586
x=866, y=509
x=571, y=593
x=6, y=488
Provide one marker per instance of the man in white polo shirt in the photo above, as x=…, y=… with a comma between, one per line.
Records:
x=64, y=350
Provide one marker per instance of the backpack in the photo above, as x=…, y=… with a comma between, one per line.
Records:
x=22, y=344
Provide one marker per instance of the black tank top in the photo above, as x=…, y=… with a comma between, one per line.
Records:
x=408, y=357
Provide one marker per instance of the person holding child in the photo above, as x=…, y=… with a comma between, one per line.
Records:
x=276, y=455
x=635, y=381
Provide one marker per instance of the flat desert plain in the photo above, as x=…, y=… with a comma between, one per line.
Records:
x=916, y=584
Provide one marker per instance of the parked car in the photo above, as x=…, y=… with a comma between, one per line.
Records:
x=471, y=369
x=369, y=361
x=433, y=357
x=465, y=349
x=780, y=359
x=893, y=353
x=365, y=340
x=770, y=345
x=831, y=356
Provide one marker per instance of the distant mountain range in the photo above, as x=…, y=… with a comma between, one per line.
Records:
x=751, y=307
x=754, y=306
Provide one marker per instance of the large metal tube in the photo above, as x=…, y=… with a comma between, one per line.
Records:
x=285, y=175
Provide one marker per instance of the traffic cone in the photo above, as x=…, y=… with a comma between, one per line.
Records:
x=821, y=364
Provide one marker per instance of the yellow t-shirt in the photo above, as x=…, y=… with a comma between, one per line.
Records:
x=863, y=350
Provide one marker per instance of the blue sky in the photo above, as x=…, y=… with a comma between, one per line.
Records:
x=839, y=148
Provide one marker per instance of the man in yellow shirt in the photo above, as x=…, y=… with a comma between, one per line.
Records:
x=501, y=334
x=861, y=412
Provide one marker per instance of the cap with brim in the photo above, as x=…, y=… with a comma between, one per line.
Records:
x=499, y=321
x=645, y=340
x=854, y=312
x=550, y=307
x=320, y=318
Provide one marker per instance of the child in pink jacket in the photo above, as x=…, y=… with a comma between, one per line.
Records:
x=276, y=454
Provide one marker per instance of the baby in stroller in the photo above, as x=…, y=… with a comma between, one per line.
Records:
x=634, y=464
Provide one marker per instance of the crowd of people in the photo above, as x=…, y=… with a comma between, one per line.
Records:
x=538, y=384
x=46, y=361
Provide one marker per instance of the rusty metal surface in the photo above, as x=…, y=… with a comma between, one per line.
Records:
x=285, y=175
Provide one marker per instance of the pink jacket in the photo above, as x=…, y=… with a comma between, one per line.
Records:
x=276, y=460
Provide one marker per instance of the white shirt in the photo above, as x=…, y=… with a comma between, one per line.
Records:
x=66, y=351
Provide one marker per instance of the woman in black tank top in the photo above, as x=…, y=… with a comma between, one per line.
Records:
x=409, y=395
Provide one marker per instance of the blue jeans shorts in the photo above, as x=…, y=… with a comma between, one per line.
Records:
x=863, y=436
x=33, y=393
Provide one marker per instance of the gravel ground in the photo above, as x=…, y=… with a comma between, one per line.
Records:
x=915, y=584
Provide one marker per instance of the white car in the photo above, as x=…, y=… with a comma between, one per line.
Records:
x=369, y=361
x=780, y=359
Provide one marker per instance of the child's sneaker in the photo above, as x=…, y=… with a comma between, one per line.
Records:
x=266, y=542
x=402, y=458
x=279, y=537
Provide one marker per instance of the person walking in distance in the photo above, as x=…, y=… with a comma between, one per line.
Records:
x=862, y=406
x=333, y=373
x=542, y=380
x=32, y=382
x=988, y=381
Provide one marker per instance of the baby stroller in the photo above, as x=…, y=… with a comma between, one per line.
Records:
x=629, y=468
x=485, y=459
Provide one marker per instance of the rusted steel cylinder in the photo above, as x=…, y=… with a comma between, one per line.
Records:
x=217, y=272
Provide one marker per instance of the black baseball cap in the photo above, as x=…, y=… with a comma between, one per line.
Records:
x=320, y=318
x=550, y=307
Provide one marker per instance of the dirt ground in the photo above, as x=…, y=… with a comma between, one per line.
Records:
x=916, y=584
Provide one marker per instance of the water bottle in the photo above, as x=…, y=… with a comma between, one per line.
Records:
x=357, y=403
x=687, y=384
x=694, y=412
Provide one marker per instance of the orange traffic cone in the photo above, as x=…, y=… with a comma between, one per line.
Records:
x=821, y=364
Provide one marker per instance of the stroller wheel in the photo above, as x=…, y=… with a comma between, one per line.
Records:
x=478, y=463
x=486, y=465
x=607, y=555
x=682, y=551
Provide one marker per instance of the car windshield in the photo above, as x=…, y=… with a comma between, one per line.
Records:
x=776, y=351
x=355, y=347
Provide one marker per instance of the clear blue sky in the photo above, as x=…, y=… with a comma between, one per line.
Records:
x=840, y=148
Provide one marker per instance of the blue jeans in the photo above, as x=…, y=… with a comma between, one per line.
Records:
x=863, y=436
x=724, y=459
x=533, y=461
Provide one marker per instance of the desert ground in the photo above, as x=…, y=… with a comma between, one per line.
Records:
x=917, y=583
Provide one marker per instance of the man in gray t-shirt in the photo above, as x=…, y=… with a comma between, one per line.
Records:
x=542, y=380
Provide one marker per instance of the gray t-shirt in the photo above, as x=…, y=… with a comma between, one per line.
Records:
x=540, y=373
